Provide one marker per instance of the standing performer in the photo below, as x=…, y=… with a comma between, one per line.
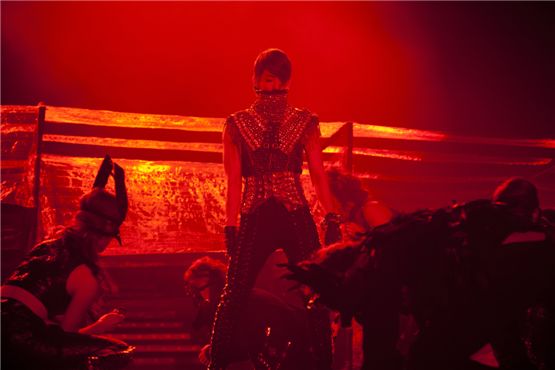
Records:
x=264, y=144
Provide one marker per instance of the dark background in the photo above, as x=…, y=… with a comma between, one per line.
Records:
x=475, y=68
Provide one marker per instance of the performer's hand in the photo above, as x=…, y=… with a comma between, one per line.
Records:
x=325, y=284
x=230, y=233
x=109, y=321
x=352, y=230
x=312, y=275
x=332, y=226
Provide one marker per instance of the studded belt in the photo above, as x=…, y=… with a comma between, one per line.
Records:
x=285, y=186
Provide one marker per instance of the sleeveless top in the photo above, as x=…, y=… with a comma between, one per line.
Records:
x=271, y=136
x=45, y=270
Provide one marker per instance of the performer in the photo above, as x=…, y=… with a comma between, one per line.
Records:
x=385, y=338
x=264, y=144
x=361, y=212
x=473, y=273
x=48, y=297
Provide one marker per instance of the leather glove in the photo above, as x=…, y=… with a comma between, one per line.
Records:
x=328, y=286
x=332, y=227
x=230, y=233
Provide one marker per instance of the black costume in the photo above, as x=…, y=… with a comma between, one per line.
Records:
x=470, y=282
x=504, y=273
x=36, y=291
x=274, y=212
x=30, y=341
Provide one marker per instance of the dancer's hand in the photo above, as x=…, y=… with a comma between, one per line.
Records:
x=105, y=323
x=326, y=284
x=332, y=227
x=109, y=321
x=312, y=275
x=352, y=230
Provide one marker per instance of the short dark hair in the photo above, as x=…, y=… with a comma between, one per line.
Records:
x=276, y=62
x=208, y=267
x=346, y=188
x=517, y=193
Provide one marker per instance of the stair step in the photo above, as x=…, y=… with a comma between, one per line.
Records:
x=159, y=313
x=176, y=349
x=139, y=339
x=151, y=300
x=164, y=364
x=148, y=326
x=170, y=315
x=153, y=336
x=155, y=362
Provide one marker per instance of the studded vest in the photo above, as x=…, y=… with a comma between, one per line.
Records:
x=271, y=136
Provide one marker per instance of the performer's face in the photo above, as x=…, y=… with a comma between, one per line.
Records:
x=199, y=287
x=269, y=82
x=102, y=243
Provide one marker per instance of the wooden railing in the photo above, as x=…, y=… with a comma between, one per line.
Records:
x=406, y=168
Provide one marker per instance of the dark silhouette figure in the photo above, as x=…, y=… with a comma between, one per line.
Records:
x=473, y=271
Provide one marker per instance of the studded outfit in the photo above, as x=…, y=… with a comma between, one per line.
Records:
x=271, y=136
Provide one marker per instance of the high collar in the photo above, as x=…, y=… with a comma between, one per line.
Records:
x=271, y=105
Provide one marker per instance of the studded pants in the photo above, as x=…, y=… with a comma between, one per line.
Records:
x=269, y=227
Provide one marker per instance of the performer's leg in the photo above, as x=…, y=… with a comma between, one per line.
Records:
x=300, y=236
x=540, y=336
x=510, y=350
x=448, y=341
x=302, y=243
x=380, y=311
x=380, y=335
x=252, y=250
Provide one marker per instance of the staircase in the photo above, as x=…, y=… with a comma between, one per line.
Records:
x=158, y=313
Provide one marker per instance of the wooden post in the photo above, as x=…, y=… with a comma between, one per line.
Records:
x=36, y=180
x=348, y=161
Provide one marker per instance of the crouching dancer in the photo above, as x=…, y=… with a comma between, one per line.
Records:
x=47, y=298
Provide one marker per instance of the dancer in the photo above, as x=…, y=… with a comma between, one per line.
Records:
x=264, y=144
x=473, y=272
x=46, y=301
x=359, y=210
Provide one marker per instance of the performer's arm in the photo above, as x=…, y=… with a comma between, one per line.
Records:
x=106, y=323
x=84, y=289
x=232, y=166
x=376, y=213
x=316, y=168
